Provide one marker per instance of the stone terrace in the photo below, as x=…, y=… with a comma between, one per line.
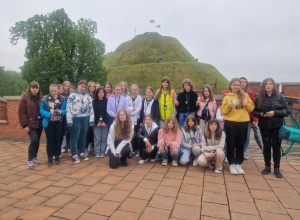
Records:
x=91, y=190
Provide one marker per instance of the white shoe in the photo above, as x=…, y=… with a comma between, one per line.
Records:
x=70, y=154
x=232, y=169
x=239, y=169
x=137, y=154
x=195, y=163
x=97, y=155
x=153, y=160
x=218, y=171
x=142, y=161
x=102, y=155
x=90, y=148
x=225, y=160
x=211, y=167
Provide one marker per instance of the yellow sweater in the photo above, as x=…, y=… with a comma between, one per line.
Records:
x=238, y=113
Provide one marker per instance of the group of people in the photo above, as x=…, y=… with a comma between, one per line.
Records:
x=162, y=126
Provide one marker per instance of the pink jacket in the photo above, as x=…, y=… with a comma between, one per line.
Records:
x=211, y=107
x=170, y=136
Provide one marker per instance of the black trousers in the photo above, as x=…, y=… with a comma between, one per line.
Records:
x=134, y=140
x=89, y=137
x=236, y=135
x=114, y=161
x=144, y=154
x=271, y=140
x=34, y=135
x=53, y=134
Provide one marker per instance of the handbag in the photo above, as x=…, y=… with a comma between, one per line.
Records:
x=205, y=113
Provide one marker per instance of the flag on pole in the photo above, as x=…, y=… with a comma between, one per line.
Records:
x=151, y=21
x=158, y=26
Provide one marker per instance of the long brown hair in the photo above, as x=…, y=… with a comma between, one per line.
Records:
x=175, y=123
x=126, y=87
x=124, y=132
x=161, y=86
x=186, y=125
x=189, y=82
x=247, y=90
x=218, y=132
x=28, y=96
x=240, y=93
x=211, y=95
x=262, y=92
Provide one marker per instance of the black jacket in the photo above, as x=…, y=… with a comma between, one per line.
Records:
x=99, y=107
x=153, y=137
x=271, y=103
x=182, y=98
x=154, y=112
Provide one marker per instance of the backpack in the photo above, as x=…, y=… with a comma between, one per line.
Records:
x=205, y=113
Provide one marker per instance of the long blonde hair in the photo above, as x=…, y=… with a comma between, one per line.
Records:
x=122, y=132
x=175, y=123
x=240, y=93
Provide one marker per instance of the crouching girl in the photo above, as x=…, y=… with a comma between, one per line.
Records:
x=118, y=140
x=169, y=140
x=190, y=141
x=213, y=146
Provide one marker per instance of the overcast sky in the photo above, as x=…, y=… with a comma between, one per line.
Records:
x=256, y=38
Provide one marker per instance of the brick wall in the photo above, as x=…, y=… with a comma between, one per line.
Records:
x=291, y=89
x=12, y=127
x=254, y=86
x=3, y=109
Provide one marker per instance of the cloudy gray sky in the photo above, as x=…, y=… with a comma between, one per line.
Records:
x=252, y=38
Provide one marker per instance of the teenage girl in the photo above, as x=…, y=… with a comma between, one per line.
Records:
x=108, y=89
x=236, y=107
x=97, y=85
x=169, y=140
x=148, y=136
x=124, y=88
x=166, y=98
x=80, y=115
x=89, y=136
x=213, y=146
x=66, y=87
x=100, y=128
x=270, y=109
x=207, y=107
x=150, y=106
x=186, y=101
x=30, y=120
x=91, y=87
x=61, y=90
x=190, y=141
x=119, y=138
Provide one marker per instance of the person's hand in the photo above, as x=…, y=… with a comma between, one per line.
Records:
x=270, y=114
x=98, y=125
x=254, y=124
x=116, y=155
x=148, y=143
x=176, y=103
x=231, y=104
x=212, y=154
x=27, y=129
x=263, y=114
x=59, y=112
x=149, y=148
x=198, y=102
x=91, y=125
x=103, y=124
x=245, y=103
x=168, y=144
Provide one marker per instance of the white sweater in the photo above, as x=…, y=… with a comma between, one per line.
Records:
x=137, y=104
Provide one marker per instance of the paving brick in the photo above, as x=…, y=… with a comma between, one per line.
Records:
x=212, y=179
x=88, y=181
x=22, y=193
x=239, y=196
x=56, y=176
x=30, y=202
x=238, y=216
x=149, y=184
x=243, y=207
x=142, y=193
x=273, y=216
x=100, y=188
x=103, y=207
x=134, y=178
x=162, y=202
x=189, y=199
x=118, y=172
x=125, y=185
x=151, y=213
x=191, y=189
x=71, y=211
x=159, y=170
x=99, y=174
x=33, y=178
x=111, y=180
x=281, y=183
x=193, y=180
x=195, y=173
x=171, y=182
x=4, y=202
x=255, y=178
x=140, y=171
x=214, y=187
x=219, y=198
x=90, y=216
x=133, y=205
x=186, y=212
x=263, y=195
x=41, y=184
x=88, y=198
x=154, y=176
x=290, y=203
x=234, y=178
x=215, y=210
x=65, y=182
x=116, y=195
x=51, y=191
x=39, y=212
x=178, y=169
x=11, y=213
x=167, y=191
x=124, y=215
x=174, y=175
x=237, y=186
x=76, y=189
x=295, y=214
x=258, y=185
x=270, y=206
x=285, y=193
x=14, y=186
x=59, y=200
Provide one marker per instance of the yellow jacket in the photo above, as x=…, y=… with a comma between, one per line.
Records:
x=238, y=113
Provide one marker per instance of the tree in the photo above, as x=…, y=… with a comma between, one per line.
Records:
x=58, y=49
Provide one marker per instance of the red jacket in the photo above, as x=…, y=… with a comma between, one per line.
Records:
x=251, y=95
x=30, y=121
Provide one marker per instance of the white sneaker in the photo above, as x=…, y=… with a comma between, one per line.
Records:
x=218, y=171
x=102, y=155
x=232, y=169
x=137, y=154
x=142, y=161
x=239, y=169
x=90, y=148
x=70, y=154
x=97, y=155
x=225, y=160
x=153, y=160
x=195, y=163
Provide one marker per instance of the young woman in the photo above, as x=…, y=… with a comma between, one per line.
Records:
x=66, y=86
x=207, y=107
x=65, y=134
x=253, y=120
x=149, y=107
x=80, y=115
x=169, y=140
x=72, y=89
x=100, y=128
x=108, y=89
x=190, y=141
x=148, y=136
x=236, y=107
x=30, y=120
x=166, y=98
x=186, y=101
x=97, y=85
x=60, y=89
x=115, y=103
x=213, y=146
x=119, y=138
x=53, y=108
x=124, y=88
x=270, y=109
x=91, y=87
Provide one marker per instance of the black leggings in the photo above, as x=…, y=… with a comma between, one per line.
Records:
x=114, y=161
x=144, y=154
x=34, y=135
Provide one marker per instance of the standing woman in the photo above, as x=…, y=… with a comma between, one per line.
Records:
x=166, y=98
x=53, y=108
x=30, y=120
x=207, y=107
x=134, y=109
x=124, y=88
x=236, y=107
x=150, y=106
x=190, y=141
x=101, y=120
x=270, y=109
x=91, y=87
x=119, y=138
x=186, y=101
x=169, y=140
x=80, y=115
x=108, y=89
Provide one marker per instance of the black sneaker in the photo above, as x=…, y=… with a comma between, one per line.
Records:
x=57, y=161
x=50, y=162
x=84, y=157
x=277, y=173
x=266, y=171
x=124, y=163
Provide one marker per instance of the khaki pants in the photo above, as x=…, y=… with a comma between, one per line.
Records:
x=218, y=159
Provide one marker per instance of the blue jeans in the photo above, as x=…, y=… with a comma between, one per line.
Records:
x=100, y=139
x=182, y=117
x=248, y=138
x=78, y=133
x=168, y=154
